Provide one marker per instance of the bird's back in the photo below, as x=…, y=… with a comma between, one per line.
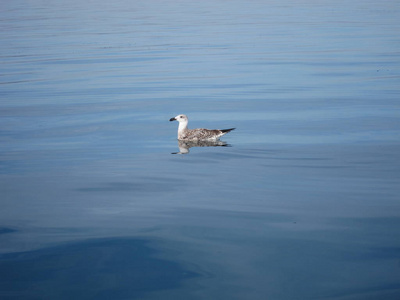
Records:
x=203, y=134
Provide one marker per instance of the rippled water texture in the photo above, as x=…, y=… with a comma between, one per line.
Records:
x=99, y=200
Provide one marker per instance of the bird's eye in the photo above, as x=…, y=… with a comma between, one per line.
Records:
x=181, y=117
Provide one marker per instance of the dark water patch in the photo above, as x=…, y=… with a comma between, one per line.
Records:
x=4, y=230
x=375, y=253
x=123, y=268
x=152, y=185
x=387, y=292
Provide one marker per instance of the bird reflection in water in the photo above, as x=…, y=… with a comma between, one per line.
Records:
x=184, y=146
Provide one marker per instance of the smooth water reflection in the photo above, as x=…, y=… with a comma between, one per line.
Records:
x=184, y=146
x=119, y=268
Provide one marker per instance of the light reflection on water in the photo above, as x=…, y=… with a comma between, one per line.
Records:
x=300, y=201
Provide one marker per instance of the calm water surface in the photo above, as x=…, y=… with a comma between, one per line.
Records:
x=304, y=201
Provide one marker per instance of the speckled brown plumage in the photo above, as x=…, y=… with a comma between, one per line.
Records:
x=199, y=134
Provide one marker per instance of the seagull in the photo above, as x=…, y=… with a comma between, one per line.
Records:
x=199, y=134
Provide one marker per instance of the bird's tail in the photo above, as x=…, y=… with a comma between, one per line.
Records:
x=227, y=130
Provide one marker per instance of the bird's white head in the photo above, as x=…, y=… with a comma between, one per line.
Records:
x=180, y=119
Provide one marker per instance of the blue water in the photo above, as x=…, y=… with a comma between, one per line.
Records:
x=304, y=201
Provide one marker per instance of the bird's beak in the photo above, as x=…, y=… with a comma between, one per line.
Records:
x=172, y=119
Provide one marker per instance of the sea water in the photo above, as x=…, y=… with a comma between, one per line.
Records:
x=303, y=201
